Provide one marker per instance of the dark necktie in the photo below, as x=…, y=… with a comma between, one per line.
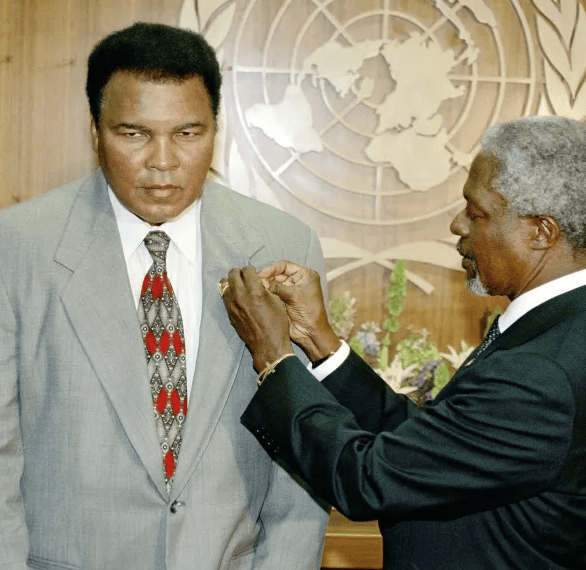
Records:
x=493, y=333
x=164, y=342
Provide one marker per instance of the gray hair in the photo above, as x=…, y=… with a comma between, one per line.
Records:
x=543, y=170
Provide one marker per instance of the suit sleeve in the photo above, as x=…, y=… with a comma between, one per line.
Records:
x=491, y=439
x=13, y=531
x=293, y=518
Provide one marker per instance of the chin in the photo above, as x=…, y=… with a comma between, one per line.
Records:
x=160, y=217
x=475, y=286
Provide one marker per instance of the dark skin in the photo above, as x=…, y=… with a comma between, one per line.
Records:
x=514, y=253
x=280, y=305
x=284, y=302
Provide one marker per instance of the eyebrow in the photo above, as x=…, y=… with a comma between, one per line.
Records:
x=139, y=127
x=187, y=126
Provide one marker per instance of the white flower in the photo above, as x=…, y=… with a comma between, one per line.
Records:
x=456, y=359
x=395, y=374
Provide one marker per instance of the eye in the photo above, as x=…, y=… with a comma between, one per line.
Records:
x=133, y=134
x=472, y=214
x=187, y=134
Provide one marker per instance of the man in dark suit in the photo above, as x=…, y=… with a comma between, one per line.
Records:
x=120, y=395
x=492, y=473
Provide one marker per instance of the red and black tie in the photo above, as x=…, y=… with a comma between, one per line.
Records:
x=164, y=342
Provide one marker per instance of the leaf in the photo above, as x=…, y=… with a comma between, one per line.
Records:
x=548, y=9
x=356, y=346
x=568, y=18
x=188, y=16
x=383, y=361
x=207, y=8
x=391, y=324
x=557, y=92
x=399, y=275
x=562, y=19
x=218, y=27
x=553, y=48
x=395, y=306
x=442, y=377
x=578, y=52
x=396, y=290
x=579, y=107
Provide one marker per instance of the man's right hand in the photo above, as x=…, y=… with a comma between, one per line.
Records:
x=300, y=289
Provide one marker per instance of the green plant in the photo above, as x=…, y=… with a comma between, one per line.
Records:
x=413, y=365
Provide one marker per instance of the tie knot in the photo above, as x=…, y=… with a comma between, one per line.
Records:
x=157, y=244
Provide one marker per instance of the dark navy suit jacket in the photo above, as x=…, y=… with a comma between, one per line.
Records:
x=489, y=475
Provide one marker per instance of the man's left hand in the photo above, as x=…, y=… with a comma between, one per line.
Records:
x=259, y=317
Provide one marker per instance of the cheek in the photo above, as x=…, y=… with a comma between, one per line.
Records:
x=199, y=161
x=120, y=164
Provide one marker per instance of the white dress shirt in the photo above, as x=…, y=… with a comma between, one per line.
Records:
x=183, y=266
x=518, y=307
x=535, y=297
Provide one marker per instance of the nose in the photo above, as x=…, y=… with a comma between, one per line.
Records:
x=162, y=155
x=458, y=226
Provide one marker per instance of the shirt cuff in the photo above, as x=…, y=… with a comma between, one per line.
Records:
x=332, y=363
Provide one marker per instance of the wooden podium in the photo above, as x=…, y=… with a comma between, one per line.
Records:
x=352, y=545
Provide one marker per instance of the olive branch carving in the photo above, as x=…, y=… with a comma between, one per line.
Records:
x=211, y=18
x=561, y=28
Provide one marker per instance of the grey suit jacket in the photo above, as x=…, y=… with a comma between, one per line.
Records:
x=81, y=481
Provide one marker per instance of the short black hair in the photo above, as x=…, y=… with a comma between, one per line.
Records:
x=153, y=52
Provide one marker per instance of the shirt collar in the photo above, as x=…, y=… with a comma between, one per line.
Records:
x=183, y=230
x=535, y=297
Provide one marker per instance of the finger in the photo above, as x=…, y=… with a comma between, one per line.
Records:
x=251, y=280
x=270, y=285
x=234, y=277
x=284, y=292
x=280, y=268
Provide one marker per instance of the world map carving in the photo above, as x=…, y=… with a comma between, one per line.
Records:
x=312, y=121
x=408, y=120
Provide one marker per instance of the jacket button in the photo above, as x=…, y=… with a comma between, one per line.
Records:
x=176, y=505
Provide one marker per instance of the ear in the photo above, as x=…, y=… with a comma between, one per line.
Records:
x=94, y=133
x=546, y=232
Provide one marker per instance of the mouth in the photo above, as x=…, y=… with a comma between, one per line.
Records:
x=468, y=265
x=468, y=260
x=161, y=190
x=160, y=187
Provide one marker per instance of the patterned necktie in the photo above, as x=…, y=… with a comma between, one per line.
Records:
x=493, y=332
x=162, y=332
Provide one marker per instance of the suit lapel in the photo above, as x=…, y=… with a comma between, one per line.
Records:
x=227, y=242
x=99, y=303
x=539, y=320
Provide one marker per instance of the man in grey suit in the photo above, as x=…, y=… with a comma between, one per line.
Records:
x=122, y=381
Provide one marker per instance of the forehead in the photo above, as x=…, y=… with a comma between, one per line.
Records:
x=479, y=185
x=131, y=96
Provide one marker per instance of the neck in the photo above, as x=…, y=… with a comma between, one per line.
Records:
x=555, y=262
